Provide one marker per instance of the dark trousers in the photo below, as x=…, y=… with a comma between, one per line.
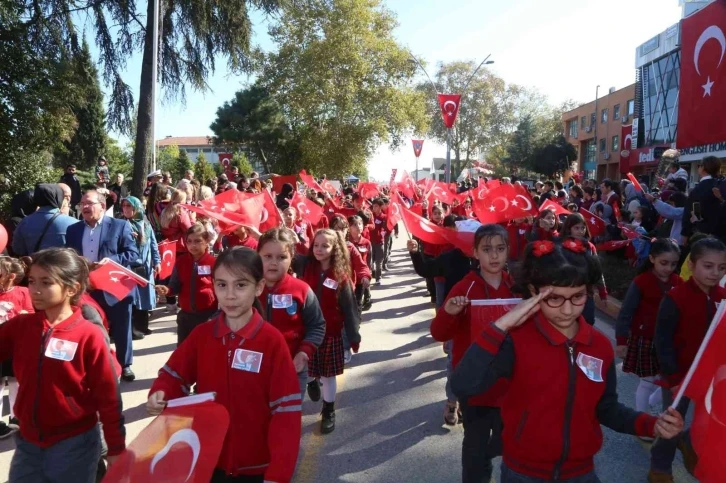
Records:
x=140, y=319
x=219, y=477
x=74, y=459
x=387, y=246
x=186, y=322
x=431, y=287
x=362, y=295
x=482, y=442
x=664, y=450
x=119, y=319
x=510, y=476
x=378, y=254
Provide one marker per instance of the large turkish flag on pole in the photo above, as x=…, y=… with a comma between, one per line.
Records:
x=449, y=104
x=703, y=77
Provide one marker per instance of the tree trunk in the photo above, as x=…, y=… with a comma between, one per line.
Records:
x=144, y=141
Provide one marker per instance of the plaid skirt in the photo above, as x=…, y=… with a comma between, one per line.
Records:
x=328, y=359
x=640, y=358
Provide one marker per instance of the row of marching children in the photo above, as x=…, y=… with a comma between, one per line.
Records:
x=276, y=313
x=533, y=380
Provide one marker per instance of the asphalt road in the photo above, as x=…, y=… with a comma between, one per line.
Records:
x=390, y=400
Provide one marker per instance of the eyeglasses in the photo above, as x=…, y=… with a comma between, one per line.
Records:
x=557, y=301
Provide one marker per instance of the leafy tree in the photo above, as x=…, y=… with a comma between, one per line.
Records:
x=21, y=176
x=88, y=141
x=487, y=113
x=239, y=159
x=166, y=159
x=256, y=120
x=119, y=159
x=203, y=171
x=341, y=80
x=521, y=148
x=555, y=157
x=183, y=164
x=194, y=35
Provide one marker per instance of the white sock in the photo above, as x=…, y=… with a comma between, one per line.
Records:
x=642, y=395
x=13, y=388
x=330, y=386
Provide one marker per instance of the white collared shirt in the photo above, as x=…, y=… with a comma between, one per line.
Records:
x=91, y=241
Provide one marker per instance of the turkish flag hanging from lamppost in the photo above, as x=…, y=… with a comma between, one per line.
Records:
x=703, y=77
x=417, y=146
x=449, y=104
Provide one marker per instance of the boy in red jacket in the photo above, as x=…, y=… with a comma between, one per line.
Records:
x=378, y=237
x=192, y=281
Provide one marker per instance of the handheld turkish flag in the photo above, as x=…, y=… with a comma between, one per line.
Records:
x=182, y=444
x=270, y=216
x=439, y=191
x=612, y=245
x=556, y=207
x=115, y=279
x=168, y=258
x=703, y=77
x=636, y=183
x=595, y=224
x=328, y=186
x=232, y=209
x=417, y=146
x=307, y=209
x=368, y=190
x=310, y=181
x=394, y=213
x=449, y=104
x=486, y=311
x=506, y=202
x=407, y=186
x=422, y=228
x=225, y=159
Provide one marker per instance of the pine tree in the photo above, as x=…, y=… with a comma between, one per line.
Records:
x=183, y=163
x=239, y=159
x=203, y=171
x=88, y=142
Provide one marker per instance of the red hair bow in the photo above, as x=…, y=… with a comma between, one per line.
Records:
x=544, y=247
x=574, y=245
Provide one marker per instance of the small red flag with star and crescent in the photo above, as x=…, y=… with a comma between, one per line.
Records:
x=595, y=224
x=449, y=104
x=115, y=279
x=307, y=209
x=167, y=251
x=504, y=203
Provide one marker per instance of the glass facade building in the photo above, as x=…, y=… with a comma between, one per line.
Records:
x=659, y=81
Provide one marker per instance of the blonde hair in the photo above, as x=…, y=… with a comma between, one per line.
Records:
x=205, y=193
x=173, y=209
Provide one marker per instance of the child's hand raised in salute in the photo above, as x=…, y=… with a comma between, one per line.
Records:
x=521, y=312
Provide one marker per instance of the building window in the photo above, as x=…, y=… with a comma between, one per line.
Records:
x=631, y=107
x=616, y=112
x=573, y=128
x=602, y=145
x=604, y=116
x=590, y=152
x=583, y=122
x=592, y=119
x=616, y=144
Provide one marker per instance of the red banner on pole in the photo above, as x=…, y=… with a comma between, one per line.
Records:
x=626, y=134
x=417, y=146
x=449, y=104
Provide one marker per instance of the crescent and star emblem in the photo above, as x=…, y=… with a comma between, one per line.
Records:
x=425, y=226
x=482, y=193
x=114, y=279
x=302, y=208
x=712, y=32
x=395, y=210
x=163, y=256
x=524, y=198
x=506, y=204
x=186, y=436
x=264, y=214
x=451, y=111
x=629, y=137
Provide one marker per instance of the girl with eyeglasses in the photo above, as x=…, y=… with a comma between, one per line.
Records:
x=561, y=373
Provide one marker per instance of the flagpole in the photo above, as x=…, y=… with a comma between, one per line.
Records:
x=154, y=75
x=416, y=169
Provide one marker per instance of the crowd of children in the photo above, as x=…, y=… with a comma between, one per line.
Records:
x=278, y=314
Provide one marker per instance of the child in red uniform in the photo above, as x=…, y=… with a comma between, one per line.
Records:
x=545, y=226
x=192, y=281
x=361, y=271
x=635, y=329
x=67, y=380
x=327, y=270
x=262, y=397
x=290, y=304
x=240, y=238
x=364, y=247
x=683, y=319
x=378, y=237
x=14, y=300
x=482, y=421
x=561, y=372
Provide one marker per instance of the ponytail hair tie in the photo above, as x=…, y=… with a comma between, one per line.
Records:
x=574, y=245
x=544, y=247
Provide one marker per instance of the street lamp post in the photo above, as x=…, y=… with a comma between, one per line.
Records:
x=486, y=61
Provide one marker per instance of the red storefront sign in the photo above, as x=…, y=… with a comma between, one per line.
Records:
x=648, y=157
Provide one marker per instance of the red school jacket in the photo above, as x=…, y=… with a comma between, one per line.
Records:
x=363, y=245
x=560, y=392
x=378, y=233
x=66, y=379
x=192, y=281
x=458, y=327
x=14, y=301
x=359, y=266
x=292, y=308
x=253, y=375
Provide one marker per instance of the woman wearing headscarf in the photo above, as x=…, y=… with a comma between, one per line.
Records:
x=47, y=226
x=144, y=297
x=21, y=205
x=285, y=195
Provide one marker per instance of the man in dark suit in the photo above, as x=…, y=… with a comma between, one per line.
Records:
x=97, y=237
x=709, y=207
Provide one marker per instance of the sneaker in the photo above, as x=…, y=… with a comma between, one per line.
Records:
x=378, y=281
x=451, y=413
x=658, y=477
x=690, y=458
x=14, y=423
x=5, y=430
x=327, y=423
x=314, y=390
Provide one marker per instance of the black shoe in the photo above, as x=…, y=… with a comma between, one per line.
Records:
x=314, y=390
x=367, y=305
x=128, y=375
x=100, y=470
x=5, y=430
x=14, y=423
x=385, y=268
x=147, y=331
x=327, y=424
x=136, y=335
